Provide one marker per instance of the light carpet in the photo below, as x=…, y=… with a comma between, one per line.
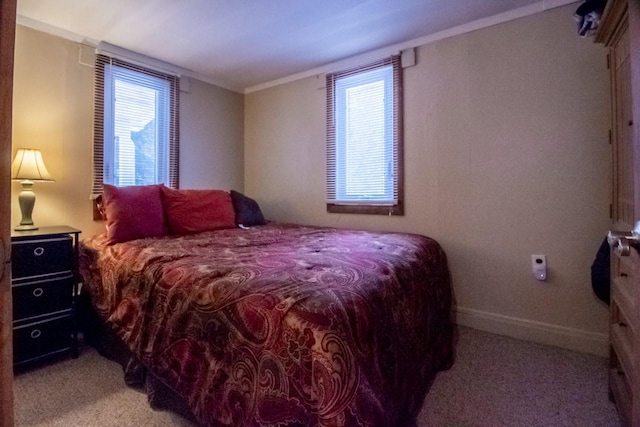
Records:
x=496, y=381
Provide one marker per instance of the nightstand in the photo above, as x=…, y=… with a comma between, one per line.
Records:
x=44, y=285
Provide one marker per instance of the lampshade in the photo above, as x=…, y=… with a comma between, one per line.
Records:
x=28, y=165
x=26, y=168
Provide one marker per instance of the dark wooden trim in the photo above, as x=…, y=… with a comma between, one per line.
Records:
x=398, y=107
x=399, y=208
x=98, y=209
x=614, y=12
x=634, y=51
x=7, y=47
x=173, y=149
x=366, y=209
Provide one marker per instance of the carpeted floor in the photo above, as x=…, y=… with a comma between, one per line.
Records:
x=501, y=381
x=496, y=381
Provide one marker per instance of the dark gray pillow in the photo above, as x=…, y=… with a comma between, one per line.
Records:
x=248, y=212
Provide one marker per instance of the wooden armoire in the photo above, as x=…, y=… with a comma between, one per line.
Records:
x=620, y=32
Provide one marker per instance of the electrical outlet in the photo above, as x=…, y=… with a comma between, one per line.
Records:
x=539, y=267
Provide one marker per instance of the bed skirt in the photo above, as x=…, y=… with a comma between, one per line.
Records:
x=160, y=396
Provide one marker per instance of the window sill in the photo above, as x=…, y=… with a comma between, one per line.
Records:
x=366, y=209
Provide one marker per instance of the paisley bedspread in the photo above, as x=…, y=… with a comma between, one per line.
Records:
x=281, y=324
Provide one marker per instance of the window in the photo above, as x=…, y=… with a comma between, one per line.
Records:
x=136, y=125
x=364, y=141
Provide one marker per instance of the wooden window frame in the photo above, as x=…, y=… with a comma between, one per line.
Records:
x=99, y=117
x=364, y=207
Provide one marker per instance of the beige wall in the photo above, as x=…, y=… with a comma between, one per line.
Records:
x=211, y=138
x=506, y=156
x=53, y=111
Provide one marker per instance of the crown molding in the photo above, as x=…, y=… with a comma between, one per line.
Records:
x=119, y=51
x=490, y=21
x=479, y=24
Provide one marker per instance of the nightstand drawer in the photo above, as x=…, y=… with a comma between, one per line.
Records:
x=37, y=298
x=42, y=338
x=42, y=256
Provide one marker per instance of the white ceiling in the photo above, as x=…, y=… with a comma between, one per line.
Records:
x=241, y=44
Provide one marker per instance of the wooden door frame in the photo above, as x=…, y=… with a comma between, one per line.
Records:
x=7, y=45
x=634, y=49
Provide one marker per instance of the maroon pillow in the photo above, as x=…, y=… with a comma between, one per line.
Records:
x=193, y=211
x=133, y=212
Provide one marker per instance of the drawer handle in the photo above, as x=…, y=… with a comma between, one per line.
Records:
x=36, y=333
x=38, y=251
x=621, y=372
x=622, y=324
x=623, y=274
x=37, y=292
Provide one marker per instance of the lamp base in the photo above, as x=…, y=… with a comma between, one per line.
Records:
x=25, y=228
x=26, y=199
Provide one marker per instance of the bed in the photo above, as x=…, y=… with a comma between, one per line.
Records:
x=280, y=324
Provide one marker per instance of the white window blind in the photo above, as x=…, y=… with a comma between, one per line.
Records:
x=136, y=125
x=363, y=135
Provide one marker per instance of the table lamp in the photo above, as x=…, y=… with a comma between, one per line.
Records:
x=28, y=167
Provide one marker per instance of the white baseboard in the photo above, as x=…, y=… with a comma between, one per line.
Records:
x=543, y=333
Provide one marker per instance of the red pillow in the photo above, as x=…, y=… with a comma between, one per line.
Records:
x=193, y=211
x=133, y=212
